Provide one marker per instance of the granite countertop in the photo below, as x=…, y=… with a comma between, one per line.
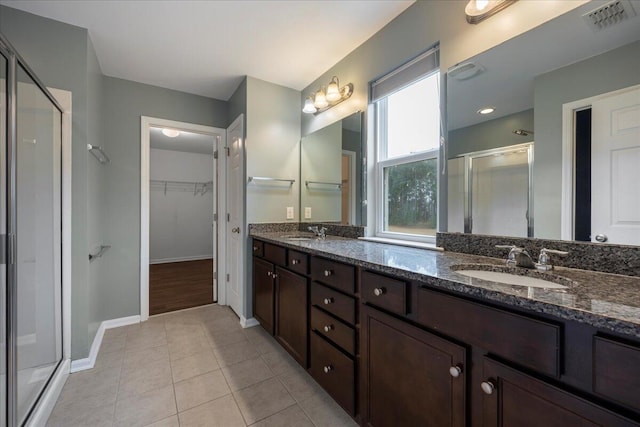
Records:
x=603, y=300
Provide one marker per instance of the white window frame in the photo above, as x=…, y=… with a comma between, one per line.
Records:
x=381, y=162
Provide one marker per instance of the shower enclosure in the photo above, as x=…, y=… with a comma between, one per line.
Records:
x=30, y=247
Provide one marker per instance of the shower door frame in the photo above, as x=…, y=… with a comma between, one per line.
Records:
x=39, y=413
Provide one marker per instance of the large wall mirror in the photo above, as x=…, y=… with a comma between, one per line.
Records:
x=559, y=155
x=331, y=176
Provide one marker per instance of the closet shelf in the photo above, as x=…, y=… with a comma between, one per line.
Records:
x=197, y=188
x=98, y=153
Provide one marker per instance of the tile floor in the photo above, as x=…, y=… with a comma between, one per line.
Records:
x=194, y=368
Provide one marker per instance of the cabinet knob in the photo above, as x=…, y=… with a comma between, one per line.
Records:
x=327, y=369
x=274, y=275
x=328, y=273
x=328, y=301
x=295, y=261
x=269, y=273
x=487, y=387
x=379, y=291
x=328, y=328
x=455, y=371
x=255, y=248
x=235, y=230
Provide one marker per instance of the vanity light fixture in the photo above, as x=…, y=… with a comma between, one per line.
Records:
x=171, y=133
x=479, y=10
x=323, y=99
x=486, y=110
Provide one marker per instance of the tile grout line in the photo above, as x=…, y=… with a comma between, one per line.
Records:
x=173, y=383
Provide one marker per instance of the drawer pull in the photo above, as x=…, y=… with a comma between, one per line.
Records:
x=379, y=291
x=327, y=369
x=328, y=273
x=487, y=387
x=295, y=261
x=455, y=371
x=328, y=301
x=328, y=328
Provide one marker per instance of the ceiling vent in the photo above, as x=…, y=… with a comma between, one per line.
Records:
x=609, y=14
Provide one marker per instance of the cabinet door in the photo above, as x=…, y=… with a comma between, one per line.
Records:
x=263, y=293
x=291, y=314
x=410, y=377
x=512, y=398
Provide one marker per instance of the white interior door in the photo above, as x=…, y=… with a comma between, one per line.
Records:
x=235, y=216
x=615, y=171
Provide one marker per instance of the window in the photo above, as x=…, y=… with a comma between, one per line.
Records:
x=407, y=110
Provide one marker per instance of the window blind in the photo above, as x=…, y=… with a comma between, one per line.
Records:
x=419, y=67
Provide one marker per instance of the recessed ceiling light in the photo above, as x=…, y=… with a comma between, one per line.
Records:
x=486, y=110
x=171, y=133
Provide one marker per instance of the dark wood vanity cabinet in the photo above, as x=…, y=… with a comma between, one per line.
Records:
x=410, y=377
x=512, y=398
x=264, y=293
x=396, y=352
x=280, y=298
x=291, y=313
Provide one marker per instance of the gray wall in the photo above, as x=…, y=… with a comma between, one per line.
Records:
x=490, y=134
x=610, y=71
x=57, y=53
x=123, y=104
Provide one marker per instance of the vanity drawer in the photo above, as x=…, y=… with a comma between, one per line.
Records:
x=298, y=262
x=340, y=305
x=258, y=247
x=275, y=254
x=616, y=371
x=529, y=342
x=334, y=371
x=334, y=330
x=384, y=292
x=334, y=274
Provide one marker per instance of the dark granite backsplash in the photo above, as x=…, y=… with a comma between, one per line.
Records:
x=349, y=231
x=606, y=258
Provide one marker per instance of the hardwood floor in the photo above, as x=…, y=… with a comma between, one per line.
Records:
x=178, y=285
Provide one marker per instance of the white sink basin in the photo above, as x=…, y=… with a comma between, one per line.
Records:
x=511, y=279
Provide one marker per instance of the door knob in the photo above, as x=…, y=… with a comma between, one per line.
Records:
x=235, y=230
x=601, y=238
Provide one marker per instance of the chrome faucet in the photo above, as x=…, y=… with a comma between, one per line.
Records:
x=518, y=257
x=544, y=259
x=321, y=232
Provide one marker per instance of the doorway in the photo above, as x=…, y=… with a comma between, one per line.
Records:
x=181, y=184
x=608, y=190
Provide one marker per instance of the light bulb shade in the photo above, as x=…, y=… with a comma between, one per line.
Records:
x=308, y=106
x=320, y=100
x=333, y=90
x=479, y=10
x=171, y=133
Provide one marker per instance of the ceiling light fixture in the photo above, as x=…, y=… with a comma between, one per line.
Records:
x=479, y=10
x=171, y=133
x=486, y=110
x=323, y=99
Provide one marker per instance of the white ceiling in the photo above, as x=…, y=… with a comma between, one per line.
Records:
x=187, y=142
x=205, y=47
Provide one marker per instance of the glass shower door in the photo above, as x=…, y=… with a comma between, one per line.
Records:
x=3, y=233
x=38, y=228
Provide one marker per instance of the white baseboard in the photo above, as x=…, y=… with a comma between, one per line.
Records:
x=48, y=400
x=248, y=323
x=180, y=259
x=89, y=362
